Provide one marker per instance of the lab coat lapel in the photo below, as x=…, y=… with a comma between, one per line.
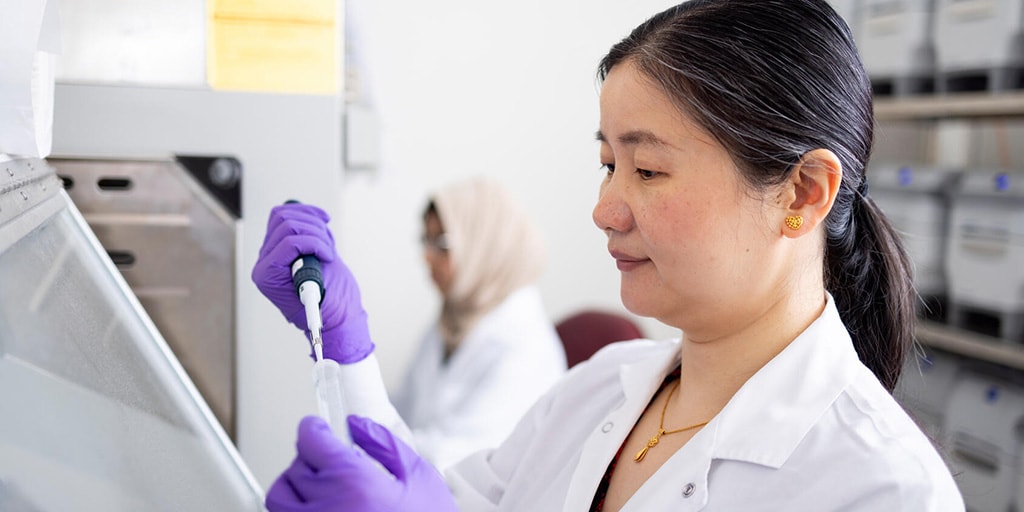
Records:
x=769, y=416
x=639, y=381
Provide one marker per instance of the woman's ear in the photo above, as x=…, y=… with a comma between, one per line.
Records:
x=810, y=192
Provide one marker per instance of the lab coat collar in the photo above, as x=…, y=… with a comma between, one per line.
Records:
x=640, y=379
x=771, y=413
x=763, y=423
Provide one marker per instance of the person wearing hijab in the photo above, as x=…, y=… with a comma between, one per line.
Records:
x=493, y=350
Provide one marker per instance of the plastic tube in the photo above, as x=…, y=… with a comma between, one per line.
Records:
x=330, y=398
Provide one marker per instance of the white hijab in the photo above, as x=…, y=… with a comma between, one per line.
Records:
x=494, y=250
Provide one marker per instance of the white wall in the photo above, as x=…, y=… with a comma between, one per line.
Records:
x=465, y=87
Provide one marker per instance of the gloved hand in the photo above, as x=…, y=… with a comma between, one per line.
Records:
x=327, y=476
x=301, y=229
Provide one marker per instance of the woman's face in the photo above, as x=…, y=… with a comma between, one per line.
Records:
x=690, y=238
x=436, y=254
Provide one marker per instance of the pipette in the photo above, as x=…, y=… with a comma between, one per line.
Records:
x=309, y=285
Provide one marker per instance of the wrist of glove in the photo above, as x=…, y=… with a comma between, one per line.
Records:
x=294, y=230
x=328, y=476
x=348, y=342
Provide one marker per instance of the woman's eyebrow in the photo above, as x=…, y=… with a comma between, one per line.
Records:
x=636, y=138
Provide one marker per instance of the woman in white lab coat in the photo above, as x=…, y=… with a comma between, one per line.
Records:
x=735, y=135
x=493, y=350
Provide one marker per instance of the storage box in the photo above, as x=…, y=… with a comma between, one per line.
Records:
x=978, y=44
x=896, y=45
x=925, y=387
x=985, y=257
x=982, y=420
x=916, y=201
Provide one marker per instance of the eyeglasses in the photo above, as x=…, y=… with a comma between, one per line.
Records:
x=438, y=243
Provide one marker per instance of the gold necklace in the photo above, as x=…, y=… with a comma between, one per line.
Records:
x=661, y=427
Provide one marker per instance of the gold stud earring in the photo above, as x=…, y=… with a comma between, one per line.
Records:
x=794, y=222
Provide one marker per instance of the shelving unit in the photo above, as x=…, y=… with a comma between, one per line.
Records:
x=970, y=344
x=959, y=106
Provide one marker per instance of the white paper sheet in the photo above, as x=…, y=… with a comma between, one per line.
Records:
x=29, y=38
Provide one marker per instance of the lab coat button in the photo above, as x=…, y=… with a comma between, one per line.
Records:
x=689, y=489
x=607, y=427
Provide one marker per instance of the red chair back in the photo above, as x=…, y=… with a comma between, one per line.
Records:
x=586, y=332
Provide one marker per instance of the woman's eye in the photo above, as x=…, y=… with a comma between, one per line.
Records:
x=609, y=168
x=645, y=174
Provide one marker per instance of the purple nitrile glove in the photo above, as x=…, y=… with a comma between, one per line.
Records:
x=327, y=476
x=301, y=229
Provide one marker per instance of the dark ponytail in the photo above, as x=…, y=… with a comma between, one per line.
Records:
x=870, y=276
x=772, y=80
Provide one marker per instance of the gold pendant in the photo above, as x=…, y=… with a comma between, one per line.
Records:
x=650, y=444
x=640, y=455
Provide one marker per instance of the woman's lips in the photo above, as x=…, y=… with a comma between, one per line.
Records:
x=626, y=262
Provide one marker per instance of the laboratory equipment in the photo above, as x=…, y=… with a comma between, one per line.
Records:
x=850, y=12
x=111, y=123
x=984, y=254
x=896, y=45
x=330, y=397
x=173, y=238
x=983, y=419
x=925, y=386
x=309, y=286
x=916, y=201
x=1019, y=498
x=979, y=44
x=308, y=279
x=97, y=412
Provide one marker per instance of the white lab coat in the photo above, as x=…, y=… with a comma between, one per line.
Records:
x=507, y=360
x=812, y=430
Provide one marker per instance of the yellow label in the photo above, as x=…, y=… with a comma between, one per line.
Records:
x=314, y=11
x=272, y=56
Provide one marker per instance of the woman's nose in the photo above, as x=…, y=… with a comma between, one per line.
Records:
x=612, y=212
x=431, y=255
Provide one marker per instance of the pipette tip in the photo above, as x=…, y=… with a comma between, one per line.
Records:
x=318, y=346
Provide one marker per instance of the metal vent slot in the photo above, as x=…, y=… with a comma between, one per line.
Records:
x=123, y=259
x=117, y=184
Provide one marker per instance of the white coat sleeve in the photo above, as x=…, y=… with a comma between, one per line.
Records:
x=479, y=481
x=499, y=388
x=365, y=395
